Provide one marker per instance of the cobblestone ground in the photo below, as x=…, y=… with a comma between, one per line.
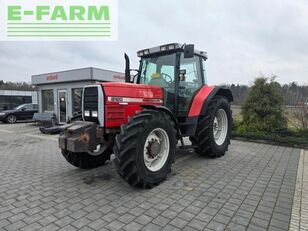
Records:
x=250, y=188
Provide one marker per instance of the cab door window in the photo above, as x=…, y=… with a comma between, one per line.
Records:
x=190, y=80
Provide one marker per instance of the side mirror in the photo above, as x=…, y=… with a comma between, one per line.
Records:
x=182, y=75
x=183, y=72
x=189, y=51
x=23, y=109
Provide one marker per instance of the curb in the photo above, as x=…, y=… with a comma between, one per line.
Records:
x=302, y=146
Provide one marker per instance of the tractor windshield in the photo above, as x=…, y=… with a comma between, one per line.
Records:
x=158, y=71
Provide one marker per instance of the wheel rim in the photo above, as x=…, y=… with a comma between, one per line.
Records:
x=156, y=149
x=11, y=119
x=100, y=149
x=220, y=127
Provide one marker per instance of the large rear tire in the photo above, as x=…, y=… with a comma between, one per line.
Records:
x=86, y=160
x=145, y=148
x=214, y=129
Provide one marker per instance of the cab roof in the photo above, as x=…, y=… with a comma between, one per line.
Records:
x=166, y=49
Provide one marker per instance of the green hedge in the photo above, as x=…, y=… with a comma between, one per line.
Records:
x=290, y=137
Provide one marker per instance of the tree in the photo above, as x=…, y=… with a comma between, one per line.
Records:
x=19, y=86
x=239, y=92
x=263, y=107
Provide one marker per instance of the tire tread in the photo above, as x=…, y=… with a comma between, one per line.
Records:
x=126, y=145
x=202, y=139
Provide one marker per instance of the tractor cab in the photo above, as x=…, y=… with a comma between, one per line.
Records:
x=178, y=69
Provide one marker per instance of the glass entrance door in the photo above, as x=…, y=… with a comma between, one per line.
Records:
x=62, y=106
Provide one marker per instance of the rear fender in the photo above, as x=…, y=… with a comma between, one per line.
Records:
x=217, y=91
x=201, y=102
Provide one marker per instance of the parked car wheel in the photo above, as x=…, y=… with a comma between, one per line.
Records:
x=11, y=119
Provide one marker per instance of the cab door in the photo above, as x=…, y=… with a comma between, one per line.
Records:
x=189, y=82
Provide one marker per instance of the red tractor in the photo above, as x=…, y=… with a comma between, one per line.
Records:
x=142, y=120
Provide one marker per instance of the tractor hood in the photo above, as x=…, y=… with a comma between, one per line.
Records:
x=124, y=100
x=138, y=92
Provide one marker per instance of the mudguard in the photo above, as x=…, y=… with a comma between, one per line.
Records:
x=199, y=105
x=204, y=96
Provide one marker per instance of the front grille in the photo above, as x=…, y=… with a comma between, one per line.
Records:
x=90, y=103
x=115, y=113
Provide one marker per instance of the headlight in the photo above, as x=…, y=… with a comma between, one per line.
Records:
x=163, y=48
x=2, y=113
x=87, y=113
x=146, y=52
x=171, y=47
x=94, y=113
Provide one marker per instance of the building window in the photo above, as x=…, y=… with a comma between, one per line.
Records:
x=47, y=101
x=10, y=102
x=77, y=100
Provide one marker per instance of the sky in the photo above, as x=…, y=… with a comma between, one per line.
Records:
x=244, y=39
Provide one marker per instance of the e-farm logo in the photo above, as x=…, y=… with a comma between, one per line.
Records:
x=58, y=20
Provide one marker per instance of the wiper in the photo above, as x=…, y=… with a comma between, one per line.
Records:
x=145, y=71
x=146, y=67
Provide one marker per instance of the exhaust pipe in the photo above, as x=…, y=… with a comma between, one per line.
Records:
x=127, y=69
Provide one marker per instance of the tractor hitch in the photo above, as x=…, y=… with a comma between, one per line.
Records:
x=79, y=136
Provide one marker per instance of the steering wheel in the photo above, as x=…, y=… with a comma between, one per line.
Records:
x=165, y=76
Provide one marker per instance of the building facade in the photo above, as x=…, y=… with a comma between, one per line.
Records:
x=61, y=92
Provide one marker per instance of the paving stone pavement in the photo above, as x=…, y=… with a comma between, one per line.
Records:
x=250, y=188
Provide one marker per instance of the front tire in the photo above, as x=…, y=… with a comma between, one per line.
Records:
x=86, y=160
x=11, y=119
x=145, y=148
x=214, y=129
